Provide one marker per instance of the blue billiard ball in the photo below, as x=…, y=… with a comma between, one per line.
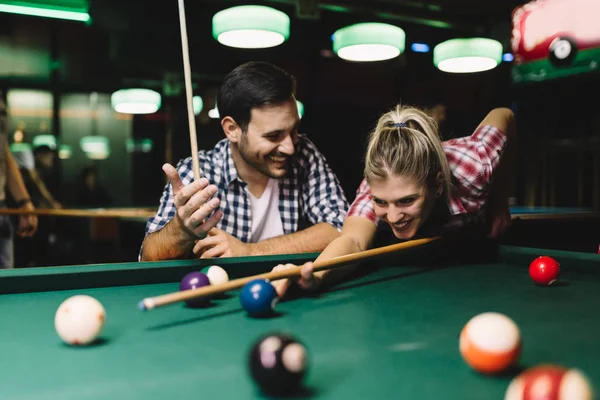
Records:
x=194, y=280
x=258, y=297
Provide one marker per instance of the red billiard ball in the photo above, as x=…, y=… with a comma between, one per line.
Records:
x=544, y=270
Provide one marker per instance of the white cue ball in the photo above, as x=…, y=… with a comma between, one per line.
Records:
x=217, y=275
x=79, y=320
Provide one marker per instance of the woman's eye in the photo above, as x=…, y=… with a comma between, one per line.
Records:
x=379, y=202
x=406, y=201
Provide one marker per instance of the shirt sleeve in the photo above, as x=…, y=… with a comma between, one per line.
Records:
x=362, y=206
x=474, y=158
x=323, y=196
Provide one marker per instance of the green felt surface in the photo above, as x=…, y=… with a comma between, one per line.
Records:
x=391, y=333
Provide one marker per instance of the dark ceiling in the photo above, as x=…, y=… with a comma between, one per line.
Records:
x=144, y=39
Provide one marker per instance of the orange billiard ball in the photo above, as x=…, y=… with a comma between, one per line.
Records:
x=544, y=270
x=490, y=343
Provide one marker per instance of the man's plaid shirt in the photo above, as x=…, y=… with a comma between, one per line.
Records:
x=309, y=194
x=472, y=160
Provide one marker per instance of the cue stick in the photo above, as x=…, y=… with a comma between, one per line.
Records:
x=188, y=90
x=60, y=212
x=150, y=303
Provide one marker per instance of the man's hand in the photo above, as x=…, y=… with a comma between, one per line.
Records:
x=194, y=203
x=27, y=223
x=307, y=280
x=219, y=243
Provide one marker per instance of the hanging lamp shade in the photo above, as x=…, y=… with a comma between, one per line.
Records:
x=135, y=101
x=197, y=104
x=95, y=147
x=64, y=151
x=139, y=145
x=467, y=55
x=251, y=27
x=300, y=108
x=45, y=140
x=369, y=41
x=75, y=10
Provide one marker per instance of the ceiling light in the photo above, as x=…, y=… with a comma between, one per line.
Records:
x=76, y=10
x=467, y=55
x=95, y=147
x=251, y=27
x=135, y=101
x=45, y=140
x=197, y=104
x=369, y=41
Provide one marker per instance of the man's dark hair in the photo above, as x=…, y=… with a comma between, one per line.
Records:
x=42, y=149
x=253, y=85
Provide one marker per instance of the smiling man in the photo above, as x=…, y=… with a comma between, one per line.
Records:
x=265, y=188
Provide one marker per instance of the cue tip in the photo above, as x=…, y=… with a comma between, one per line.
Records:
x=146, y=304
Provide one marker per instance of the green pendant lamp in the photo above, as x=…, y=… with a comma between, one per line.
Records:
x=135, y=101
x=197, y=104
x=251, y=27
x=300, y=106
x=467, y=55
x=95, y=147
x=45, y=140
x=369, y=41
x=75, y=10
x=64, y=151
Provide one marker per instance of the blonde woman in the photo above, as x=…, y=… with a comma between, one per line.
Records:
x=418, y=186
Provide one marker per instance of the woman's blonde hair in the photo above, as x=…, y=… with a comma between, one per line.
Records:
x=406, y=141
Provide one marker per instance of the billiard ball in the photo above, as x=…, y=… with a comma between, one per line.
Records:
x=79, y=320
x=490, y=342
x=562, y=51
x=258, y=298
x=278, y=363
x=544, y=270
x=216, y=274
x=549, y=382
x=194, y=280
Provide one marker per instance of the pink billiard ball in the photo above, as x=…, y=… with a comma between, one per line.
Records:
x=544, y=270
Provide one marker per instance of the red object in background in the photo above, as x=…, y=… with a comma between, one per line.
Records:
x=544, y=270
x=554, y=30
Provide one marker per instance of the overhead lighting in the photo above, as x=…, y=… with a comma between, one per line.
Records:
x=45, y=140
x=135, y=101
x=70, y=10
x=507, y=57
x=420, y=48
x=139, y=145
x=251, y=27
x=369, y=41
x=467, y=55
x=95, y=147
x=197, y=104
x=64, y=151
x=300, y=108
x=214, y=113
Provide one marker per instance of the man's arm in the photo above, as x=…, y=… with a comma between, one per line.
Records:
x=192, y=205
x=170, y=243
x=14, y=180
x=16, y=187
x=312, y=239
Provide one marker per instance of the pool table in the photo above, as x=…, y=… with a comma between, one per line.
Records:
x=391, y=332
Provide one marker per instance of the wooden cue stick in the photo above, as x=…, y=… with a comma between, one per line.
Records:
x=159, y=301
x=188, y=90
x=59, y=212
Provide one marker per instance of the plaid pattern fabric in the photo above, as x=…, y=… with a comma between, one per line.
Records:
x=472, y=160
x=309, y=194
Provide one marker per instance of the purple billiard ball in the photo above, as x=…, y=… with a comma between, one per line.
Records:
x=194, y=280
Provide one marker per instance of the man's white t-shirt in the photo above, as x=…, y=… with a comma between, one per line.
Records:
x=266, y=220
